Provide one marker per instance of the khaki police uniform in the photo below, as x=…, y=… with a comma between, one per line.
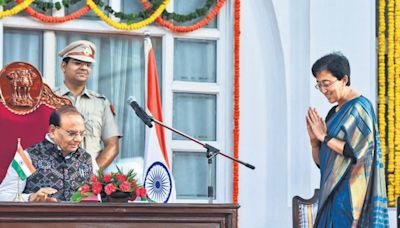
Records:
x=100, y=123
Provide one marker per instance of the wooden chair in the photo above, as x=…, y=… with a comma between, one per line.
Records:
x=305, y=210
x=25, y=107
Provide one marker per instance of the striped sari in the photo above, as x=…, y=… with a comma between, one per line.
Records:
x=353, y=188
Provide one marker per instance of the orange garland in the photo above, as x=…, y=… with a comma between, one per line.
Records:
x=51, y=19
x=236, y=100
x=189, y=28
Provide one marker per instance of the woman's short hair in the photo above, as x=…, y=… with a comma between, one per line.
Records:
x=336, y=63
x=55, y=117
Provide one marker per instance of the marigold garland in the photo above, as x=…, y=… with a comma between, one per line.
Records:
x=52, y=19
x=236, y=101
x=16, y=9
x=124, y=26
x=390, y=110
x=198, y=12
x=397, y=99
x=382, y=78
x=207, y=19
x=129, y=18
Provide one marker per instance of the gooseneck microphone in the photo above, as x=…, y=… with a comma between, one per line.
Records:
x=140, y=112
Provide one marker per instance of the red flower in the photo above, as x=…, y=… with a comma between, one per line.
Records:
x=110, y=188
x=93, y=179
x=84, y=189
x=107, y=178
x=121, y=177
x=96, y=188
x=141, y=192
x=125, y=186
x=108, y=183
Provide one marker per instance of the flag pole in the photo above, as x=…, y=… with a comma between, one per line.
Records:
x=18, y=195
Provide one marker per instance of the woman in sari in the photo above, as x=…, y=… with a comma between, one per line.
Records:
x=346, y=148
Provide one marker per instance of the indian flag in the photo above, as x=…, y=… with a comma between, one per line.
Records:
x=21, y=163
x=159, y=181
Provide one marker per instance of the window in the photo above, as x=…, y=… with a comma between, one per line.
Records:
x=192, y=81
x=23, y=45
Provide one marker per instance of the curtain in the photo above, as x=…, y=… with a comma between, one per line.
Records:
x=23, y=45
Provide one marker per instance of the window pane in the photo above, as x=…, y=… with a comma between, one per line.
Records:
x=118, y=73
x=195, y=115
x=89, y=15
x=195, y=60
x=23, y=45
x=129, y=7
x=189, y=6
x=190, y=171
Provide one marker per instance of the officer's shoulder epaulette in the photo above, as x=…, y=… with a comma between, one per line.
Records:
x=98, y=95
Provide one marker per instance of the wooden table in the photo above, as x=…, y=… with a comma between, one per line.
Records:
x=120, y=215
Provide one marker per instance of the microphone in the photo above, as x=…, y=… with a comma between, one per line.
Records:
x=140, y=112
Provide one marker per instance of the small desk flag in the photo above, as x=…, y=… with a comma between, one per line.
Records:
x=21, y=163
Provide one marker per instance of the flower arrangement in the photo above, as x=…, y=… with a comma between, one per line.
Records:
x=106, y=184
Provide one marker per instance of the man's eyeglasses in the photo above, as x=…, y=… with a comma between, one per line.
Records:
x=73, y=134
x=324, y=84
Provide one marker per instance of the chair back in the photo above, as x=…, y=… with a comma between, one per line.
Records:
x=25, y=107
x=305, y=210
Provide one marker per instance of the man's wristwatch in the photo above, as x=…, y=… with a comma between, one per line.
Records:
x=327, y=138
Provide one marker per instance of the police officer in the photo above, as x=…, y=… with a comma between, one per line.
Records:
x=100, y=124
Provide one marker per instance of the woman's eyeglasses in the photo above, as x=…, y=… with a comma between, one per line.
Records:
x=324, y=84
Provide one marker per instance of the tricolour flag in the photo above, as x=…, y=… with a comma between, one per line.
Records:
x=158, y=179
x=21, y=163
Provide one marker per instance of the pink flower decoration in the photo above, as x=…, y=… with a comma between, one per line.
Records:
x=96, y=188
x=93, y=179
x=121, y=177
x=107, y=178
x=110, y=188
x=125, y=186
x=141, y=192
x=84, y=189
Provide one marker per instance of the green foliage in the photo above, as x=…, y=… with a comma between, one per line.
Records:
x=199, y=12
x=4, y=3
x=46, y=6
x=77, y=196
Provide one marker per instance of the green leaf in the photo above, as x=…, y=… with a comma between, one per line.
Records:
x=76, y=197
x=57, y=5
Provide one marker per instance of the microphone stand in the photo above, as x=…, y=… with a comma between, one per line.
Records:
x=211, y=153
